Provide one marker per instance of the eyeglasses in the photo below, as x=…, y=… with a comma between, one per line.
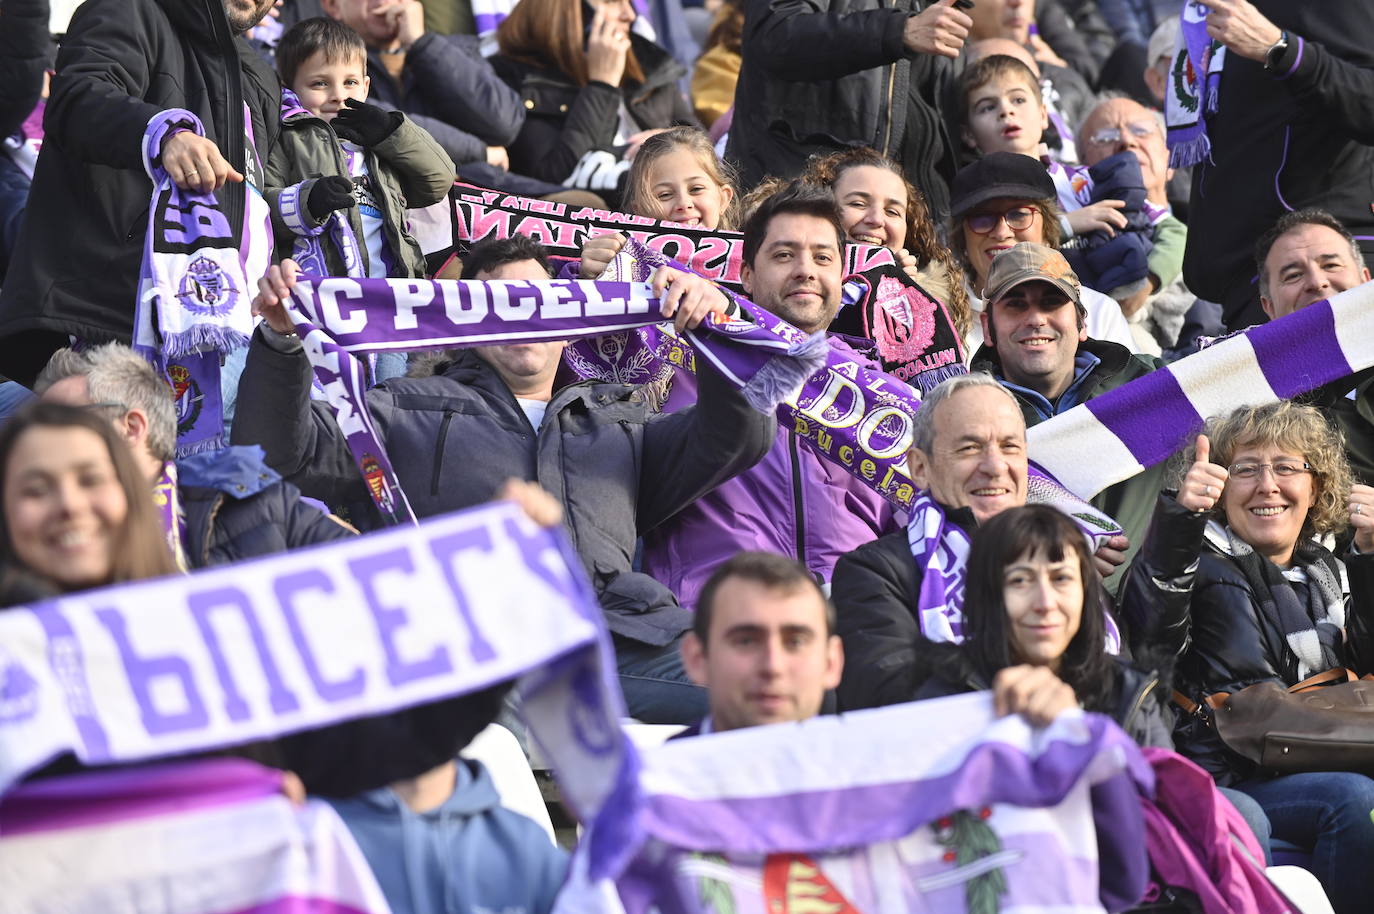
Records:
x=1110, y=136
x=1018, y=220
x=1281, y=470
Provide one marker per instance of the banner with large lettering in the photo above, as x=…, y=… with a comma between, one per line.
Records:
x=933, y=806
x=296, y=641
x=911, y=329
x=212, y=836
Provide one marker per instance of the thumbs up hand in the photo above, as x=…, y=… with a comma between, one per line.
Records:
x=1201, y=488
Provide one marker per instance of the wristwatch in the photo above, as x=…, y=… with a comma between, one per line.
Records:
x=1271, y=56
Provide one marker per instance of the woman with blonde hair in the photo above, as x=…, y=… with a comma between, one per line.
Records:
x=1270, y=603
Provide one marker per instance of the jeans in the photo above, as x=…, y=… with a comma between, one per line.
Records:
x=656, y=687
x=1254, y=816
x=1328, y=811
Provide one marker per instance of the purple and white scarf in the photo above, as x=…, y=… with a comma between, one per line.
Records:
x=167, y=499
x=299, y=640
x=214, y=836
x=930, y=806
x=1146, y=421
x=195, y=285
x=338, y=317
x=940, y=549
x=1193, y=88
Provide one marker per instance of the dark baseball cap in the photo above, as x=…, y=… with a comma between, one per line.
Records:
x=999, y=175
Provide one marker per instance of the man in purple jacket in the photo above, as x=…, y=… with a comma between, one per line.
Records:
x=795, y=502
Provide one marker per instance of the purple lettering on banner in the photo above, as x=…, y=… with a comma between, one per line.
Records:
x=445, y=549
x=143, y=672
x=64, y=657
x=390, y=618
x=201, y=605
x=286, y=587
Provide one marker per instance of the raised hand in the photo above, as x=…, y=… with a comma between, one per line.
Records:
x=597, y=254
x=273, y=291
x=607, y=44
x=1033, y=692
x=940, y=29
x=1204, y=482
x=686, y=297
x=1103, y=216
x=1362, y=516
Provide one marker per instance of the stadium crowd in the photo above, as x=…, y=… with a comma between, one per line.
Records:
x=1078, y=200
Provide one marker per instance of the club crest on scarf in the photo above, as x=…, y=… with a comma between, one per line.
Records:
x=187, y=396
x=376, y=480
x=206, y=289
x=905, y=323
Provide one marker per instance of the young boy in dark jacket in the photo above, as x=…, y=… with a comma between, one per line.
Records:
x=344, y=172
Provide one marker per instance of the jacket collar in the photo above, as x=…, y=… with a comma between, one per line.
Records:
x=238, y=472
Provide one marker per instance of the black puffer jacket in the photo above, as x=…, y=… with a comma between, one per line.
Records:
x=75, y=269
x=1138, y=702
x=819, y=76
x=565, y=121
x=1235, y=644
x=237, y=508
x=618, y=468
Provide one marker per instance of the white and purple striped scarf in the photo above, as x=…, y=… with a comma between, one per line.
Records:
x=195, y=285
x=920, y=807
x=1146, y=421
x=215, y=836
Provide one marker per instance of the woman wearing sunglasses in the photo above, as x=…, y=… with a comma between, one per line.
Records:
x=1002, y=200
x=1271, y=604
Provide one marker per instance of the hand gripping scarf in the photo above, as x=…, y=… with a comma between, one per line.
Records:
x=194, y=286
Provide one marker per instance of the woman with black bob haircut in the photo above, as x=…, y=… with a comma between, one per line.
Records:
x=1035, y=630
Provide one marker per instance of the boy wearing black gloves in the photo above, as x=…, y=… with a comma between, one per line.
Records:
x=343, y=172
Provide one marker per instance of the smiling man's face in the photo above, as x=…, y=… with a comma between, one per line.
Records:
x=1036, y=330
x=798, y=271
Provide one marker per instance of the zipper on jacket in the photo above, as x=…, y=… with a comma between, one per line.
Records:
x=1139, y=700
x=797, y=505
x=439, y=451
x=891, y=88
x=233, y=139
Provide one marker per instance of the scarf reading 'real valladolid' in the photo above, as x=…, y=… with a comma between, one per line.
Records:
x=195, y=286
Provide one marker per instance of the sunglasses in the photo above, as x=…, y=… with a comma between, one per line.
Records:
x=1018, y=219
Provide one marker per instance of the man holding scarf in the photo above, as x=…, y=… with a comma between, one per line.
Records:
x=493, y=412
x=795, y=501
x=75, y=271
x=1283, y=119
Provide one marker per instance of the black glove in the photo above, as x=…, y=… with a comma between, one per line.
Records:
x=364, y=124
x=328, y=194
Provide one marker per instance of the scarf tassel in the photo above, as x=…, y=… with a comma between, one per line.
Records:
x=199, y=338
x=780, y=377
x=927, y=381
x=1185, y=153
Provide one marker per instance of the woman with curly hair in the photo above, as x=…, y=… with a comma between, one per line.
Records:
x=879, y=206
x=1271, y=604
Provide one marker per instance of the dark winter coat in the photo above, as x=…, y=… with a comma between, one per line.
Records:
x=1301, y=136
x=76, y=267
x=565, y=121
x=1236, y=643
x=448, y=88
x=618, y=468
x=238, y=508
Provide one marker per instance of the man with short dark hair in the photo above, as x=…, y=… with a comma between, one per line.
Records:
x=762, y=643
x=493, y=412
x=1037, y=346
x=795, y=501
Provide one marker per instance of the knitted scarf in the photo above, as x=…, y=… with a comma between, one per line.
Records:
x=1312, y=627
x=1194, y=80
